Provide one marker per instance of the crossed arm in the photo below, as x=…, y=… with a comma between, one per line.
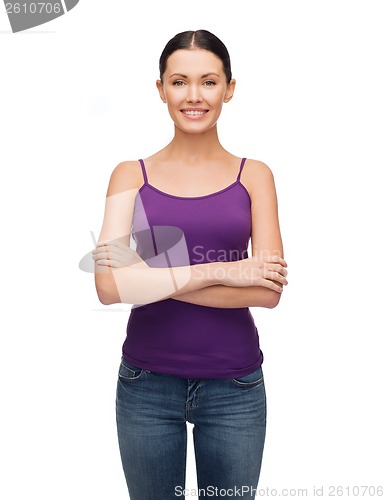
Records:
x=265, y=236
x=152, y=284
x=231, y=297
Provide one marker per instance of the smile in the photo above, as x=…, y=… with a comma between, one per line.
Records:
x=194, y=114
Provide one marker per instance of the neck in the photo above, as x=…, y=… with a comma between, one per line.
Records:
x=195, y=148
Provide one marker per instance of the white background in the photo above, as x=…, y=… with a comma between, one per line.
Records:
x=78, y=96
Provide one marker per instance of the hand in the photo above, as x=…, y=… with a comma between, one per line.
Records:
x=269, y=272
x=116, y=254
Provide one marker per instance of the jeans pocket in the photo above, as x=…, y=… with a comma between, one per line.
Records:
x=129, y=372
x=253, y=379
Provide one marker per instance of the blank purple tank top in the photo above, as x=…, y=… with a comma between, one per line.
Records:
x=179, y=338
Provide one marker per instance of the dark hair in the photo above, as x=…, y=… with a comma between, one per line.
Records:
x=200, y=39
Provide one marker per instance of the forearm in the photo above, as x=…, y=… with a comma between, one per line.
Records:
x=140, y=284
x=232, y=297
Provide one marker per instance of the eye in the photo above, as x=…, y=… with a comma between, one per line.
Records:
x=212, y=83
x=176, y=83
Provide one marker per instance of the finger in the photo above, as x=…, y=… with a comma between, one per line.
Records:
x=272, y=285
x=115, y=260
x=269, y=274
x=122, y=257
x=109, y=249
x=118, y=249
x=106, y=255
x=102, y=262
x=115, y=264
x=278, y=268
x=100, y=248
x=126, y=255
x=118, y=246
x=279, y=260
x=100, y=255
x=102, y=243
x=277, y=277
x=109, y=263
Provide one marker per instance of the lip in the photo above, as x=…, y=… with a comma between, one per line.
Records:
x=194, y=117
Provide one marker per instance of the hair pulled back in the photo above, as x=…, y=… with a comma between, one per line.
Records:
x=200, y=39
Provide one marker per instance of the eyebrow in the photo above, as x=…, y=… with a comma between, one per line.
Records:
x=185, y=76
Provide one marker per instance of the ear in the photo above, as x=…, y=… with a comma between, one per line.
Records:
x=230, y=91
x=159, y=86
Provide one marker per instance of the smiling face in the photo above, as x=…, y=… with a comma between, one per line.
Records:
x=194, y=89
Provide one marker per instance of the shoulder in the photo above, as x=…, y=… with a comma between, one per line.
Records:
x=257, y=176
x=256, y=167
x=126, y=175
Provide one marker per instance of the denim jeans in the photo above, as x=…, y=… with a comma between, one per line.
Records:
x=229, y=417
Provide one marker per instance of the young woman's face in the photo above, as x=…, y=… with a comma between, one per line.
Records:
x=194, y=88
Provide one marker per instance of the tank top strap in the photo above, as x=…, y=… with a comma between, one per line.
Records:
x=240, y=169
x=143, y=171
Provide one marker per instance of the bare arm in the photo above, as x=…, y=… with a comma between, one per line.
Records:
x=230, y=297
x=143, y=285
x=265, y=238
x=137, y=283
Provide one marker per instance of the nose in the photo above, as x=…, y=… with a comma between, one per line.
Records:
x=194, y=94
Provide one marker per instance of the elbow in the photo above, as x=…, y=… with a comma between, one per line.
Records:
x=272, y=299
x=103, y=298
x=106, y=289
x=273, y=303
x=106, y=298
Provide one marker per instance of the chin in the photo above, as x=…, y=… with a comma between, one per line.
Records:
x=194, y=128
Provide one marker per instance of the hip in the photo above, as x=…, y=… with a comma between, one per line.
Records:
x=143, y=395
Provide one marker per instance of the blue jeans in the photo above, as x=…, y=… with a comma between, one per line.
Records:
x=229, y=417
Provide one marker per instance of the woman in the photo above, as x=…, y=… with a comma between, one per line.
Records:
x=192, y=351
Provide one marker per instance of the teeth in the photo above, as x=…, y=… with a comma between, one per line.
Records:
x=194, y=112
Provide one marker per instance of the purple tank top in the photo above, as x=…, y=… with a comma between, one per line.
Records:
x=179, y=338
